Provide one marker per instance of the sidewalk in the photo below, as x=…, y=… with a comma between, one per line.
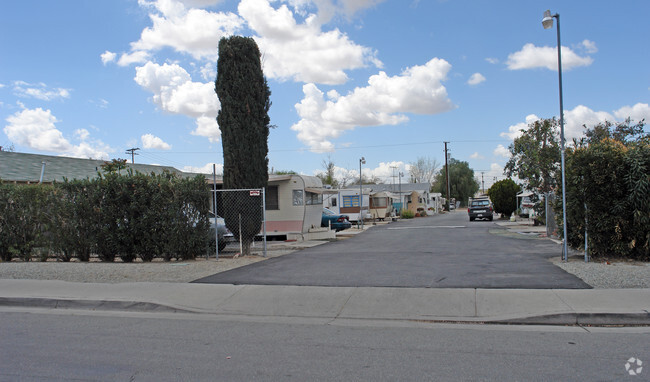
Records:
x=509, y=306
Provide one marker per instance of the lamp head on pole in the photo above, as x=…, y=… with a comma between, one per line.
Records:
x=362, y=160
x=547, y=21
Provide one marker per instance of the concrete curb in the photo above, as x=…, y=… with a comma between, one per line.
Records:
x=560, y=319
x=101, y=305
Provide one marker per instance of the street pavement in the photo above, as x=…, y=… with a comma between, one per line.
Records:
x=492, y=296
x=442, y=251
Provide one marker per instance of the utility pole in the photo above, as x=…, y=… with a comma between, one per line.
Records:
x=393, y=167
x=447, y=176
x=133, y=153
x=482, y=182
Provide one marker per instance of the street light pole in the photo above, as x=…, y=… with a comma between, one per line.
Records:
x=401, y=174
x=361, y=161
x=547, y=22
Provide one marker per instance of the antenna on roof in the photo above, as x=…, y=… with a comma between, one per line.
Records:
x=133, y=153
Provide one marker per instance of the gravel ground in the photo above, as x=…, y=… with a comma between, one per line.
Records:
x=608, y=275
x=599, y=275
x=97, y=272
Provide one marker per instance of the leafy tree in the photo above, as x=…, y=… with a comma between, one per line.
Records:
x=329, y=176
x=535, y=159
x=365, y=179
x=536, y=156
x=504, y=196
x=114, y=166
x=244, y=121
x=423, y=170
x=462, y=183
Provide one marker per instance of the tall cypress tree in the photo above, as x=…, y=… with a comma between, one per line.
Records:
x=244, y=121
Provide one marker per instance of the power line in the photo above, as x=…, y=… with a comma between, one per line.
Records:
x=345, y=147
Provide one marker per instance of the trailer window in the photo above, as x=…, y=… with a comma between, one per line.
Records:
x=350, y=200
x=313, y=199
x=379, y=202
x=297, y=197
x=271, y=198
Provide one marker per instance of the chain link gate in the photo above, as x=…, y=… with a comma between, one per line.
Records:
x=240, y=222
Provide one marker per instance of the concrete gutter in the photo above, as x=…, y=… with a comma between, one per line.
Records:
x=497, y=306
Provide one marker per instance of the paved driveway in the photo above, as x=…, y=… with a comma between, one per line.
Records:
x=443, y=251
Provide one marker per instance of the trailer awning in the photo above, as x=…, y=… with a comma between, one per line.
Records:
x=314, y=190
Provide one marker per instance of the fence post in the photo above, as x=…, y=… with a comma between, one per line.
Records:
x=586, y=233
x=264, y=217
x=214, y=199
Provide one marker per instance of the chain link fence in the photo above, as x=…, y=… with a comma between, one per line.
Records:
x=551, y=224
x=240, y=222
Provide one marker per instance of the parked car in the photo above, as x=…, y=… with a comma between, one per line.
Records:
x=336, y=221
x=481, y=208
x=224, y=234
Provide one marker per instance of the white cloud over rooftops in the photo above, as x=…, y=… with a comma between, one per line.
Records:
x=580, y=116
x=384, y=101
x=36, y=129
x=205, y=169
x=150, y=141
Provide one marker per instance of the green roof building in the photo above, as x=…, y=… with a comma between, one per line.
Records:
x=27, y=168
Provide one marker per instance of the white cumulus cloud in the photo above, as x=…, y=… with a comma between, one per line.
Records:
x=150, y=141
x=192, y=31
x=531, y=56
x=302, y=51
x=137, y=57
x=476, y=155
x=36, y=129
x=175, y=92
x=637, y=112
x=476, y=79
x=207, y=127
x=589, y=46
x=386, y=170
x=575, y=119
x=514, y=131
x=108, y=57
x=580, y=116
x=502, y=151
x=205, y=169
x=417, y=90
x=39, y=91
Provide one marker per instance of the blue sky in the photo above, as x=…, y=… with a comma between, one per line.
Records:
x=387, y=80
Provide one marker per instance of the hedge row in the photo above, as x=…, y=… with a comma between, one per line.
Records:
x=127, y=216
x=608, y=188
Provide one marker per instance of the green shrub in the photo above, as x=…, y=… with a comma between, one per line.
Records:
x=407, y=214
x=130, y=216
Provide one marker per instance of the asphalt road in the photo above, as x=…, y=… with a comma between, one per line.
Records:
x=443, y=251
x=90, y=346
